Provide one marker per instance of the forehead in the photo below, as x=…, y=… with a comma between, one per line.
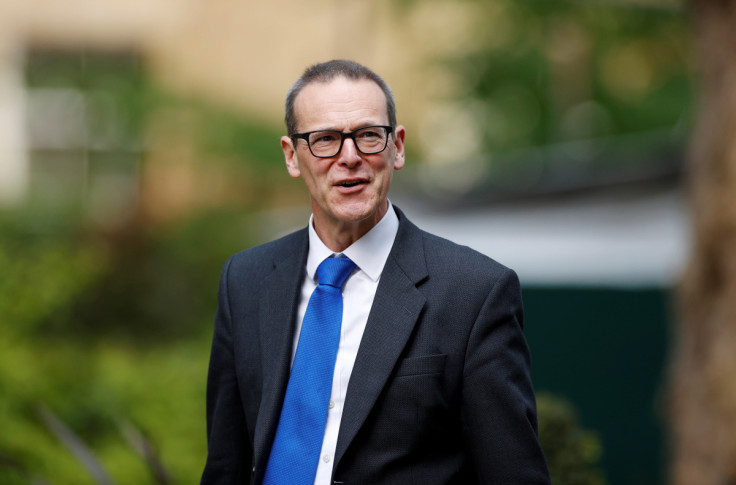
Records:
x=341, y=103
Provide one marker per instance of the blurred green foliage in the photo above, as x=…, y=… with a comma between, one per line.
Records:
x=109, y=326
x=100, y=330
x=160, y=282
x=541, y=72
x=573, y=453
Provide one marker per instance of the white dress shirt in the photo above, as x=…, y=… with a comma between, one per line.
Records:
x=369, y=253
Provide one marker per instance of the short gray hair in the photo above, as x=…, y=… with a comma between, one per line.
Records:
x=326, y=72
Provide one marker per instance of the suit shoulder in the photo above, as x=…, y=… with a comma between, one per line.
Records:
x=444, y=255
x=263, y=256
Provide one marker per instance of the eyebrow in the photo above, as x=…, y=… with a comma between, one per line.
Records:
x=360, y=126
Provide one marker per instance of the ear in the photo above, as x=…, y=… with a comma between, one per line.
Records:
x=399, y=156
x=290, y=157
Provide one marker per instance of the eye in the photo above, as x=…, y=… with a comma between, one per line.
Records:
x=324, y=137
x=370, y=134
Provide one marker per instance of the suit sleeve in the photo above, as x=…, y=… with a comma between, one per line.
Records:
x=498, y=405
x=229, y=453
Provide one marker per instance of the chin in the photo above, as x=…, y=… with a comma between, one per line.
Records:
x=356, y=213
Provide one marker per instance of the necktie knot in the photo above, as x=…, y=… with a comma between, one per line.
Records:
x=334, y=271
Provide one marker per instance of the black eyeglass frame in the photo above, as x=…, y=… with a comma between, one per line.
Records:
x=343, y=135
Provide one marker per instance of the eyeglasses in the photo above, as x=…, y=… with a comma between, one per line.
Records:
x=328, y=143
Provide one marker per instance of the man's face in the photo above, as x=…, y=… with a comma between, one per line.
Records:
x=344, y=105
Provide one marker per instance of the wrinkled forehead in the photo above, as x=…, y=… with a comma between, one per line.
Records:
x=340, y=100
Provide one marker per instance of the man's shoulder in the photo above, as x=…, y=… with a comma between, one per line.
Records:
x=449, y=271
x=267, y=254
x=440, y=252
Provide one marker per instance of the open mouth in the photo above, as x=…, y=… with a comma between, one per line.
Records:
x=350, y=183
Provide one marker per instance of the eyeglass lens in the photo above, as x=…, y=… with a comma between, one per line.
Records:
x=369, y=140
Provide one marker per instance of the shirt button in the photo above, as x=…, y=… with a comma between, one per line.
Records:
x=332, y=404
x=326, y=458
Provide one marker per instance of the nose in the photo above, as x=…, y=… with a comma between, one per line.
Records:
x=349, y=154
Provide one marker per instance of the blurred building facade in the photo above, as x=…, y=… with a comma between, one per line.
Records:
x=58, y=139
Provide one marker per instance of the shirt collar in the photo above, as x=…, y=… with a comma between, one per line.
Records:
x=369, y=253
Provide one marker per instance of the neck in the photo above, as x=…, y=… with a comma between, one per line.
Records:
x=339, y=235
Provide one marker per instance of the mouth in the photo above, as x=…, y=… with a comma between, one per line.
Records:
x=351, y=183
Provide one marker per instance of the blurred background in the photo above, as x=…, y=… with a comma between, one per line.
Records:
x=139, y=148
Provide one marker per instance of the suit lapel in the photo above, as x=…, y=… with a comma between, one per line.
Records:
x=278, y=301
x=396, y=308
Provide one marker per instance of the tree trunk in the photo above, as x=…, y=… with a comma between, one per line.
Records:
x=703, y=394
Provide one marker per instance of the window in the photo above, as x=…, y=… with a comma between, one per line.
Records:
x=84, y=113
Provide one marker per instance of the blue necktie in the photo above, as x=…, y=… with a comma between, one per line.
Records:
x=296, y=447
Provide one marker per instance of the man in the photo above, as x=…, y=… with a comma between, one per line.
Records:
x=421, y=375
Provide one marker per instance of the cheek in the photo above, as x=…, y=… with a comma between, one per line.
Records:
x=384, y=172
x=311, y=172
x=316, y=179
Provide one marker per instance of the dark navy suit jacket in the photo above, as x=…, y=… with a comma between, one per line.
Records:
x=440, y=392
